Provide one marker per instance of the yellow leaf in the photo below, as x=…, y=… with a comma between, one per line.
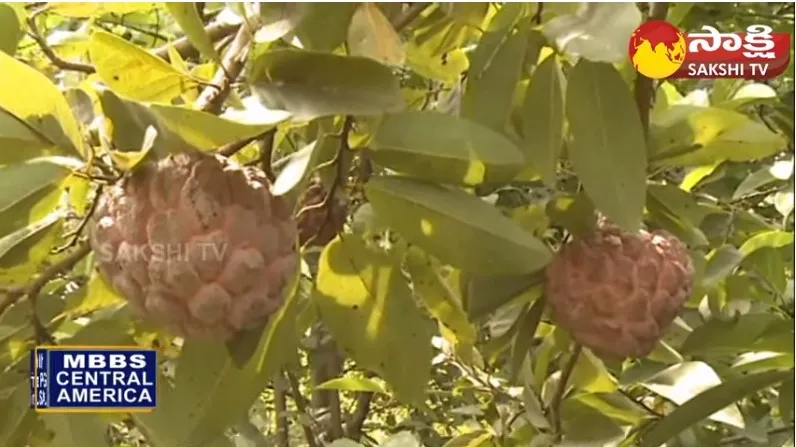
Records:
x=135, y=73
x=371, y=35
x=96, y=9
x=128, y=160
x=32, y=98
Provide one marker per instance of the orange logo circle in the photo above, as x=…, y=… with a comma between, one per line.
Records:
x=657, y=49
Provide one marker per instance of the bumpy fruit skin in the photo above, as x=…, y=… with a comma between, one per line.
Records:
x=196, y=244
x=314, y=221
x=617, y=292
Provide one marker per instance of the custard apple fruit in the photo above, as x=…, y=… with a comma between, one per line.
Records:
x=618, y=292
x=196, y=244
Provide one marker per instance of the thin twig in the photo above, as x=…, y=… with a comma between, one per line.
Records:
x=353, y=428
x=154, y=34
x=231, y=149
x=185, y=48
x=640, y=403
x=32, y=289
x=212, y=98
x=301, y=406
x=74, y=236
x=54, y=58
x=643, y=90
x=328, y=200
x=742, y=438
x=14, y=294
x=266, y=144
x=558, y=396
x=282, y=422
x=409, y=16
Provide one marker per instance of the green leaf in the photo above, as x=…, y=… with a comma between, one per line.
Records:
x=440, y=219
x=371, y=35
x=608, y=148
x=325, y=25
x=206, y=131
x=402, y=439
x=484, y=294
x=471, y=439
x=755, y=362
x=786, y=399
x=351, y=383
x=615, y=405
x=11, y=31
x=445, y=148
x=690, y=136
x=706, y=403
x=721, y=263
x=16, y=417
x=21, y=180
x=766, y=239
x=584, y=33
x=760, y=177
x=446, y=69
x=178, y=127
x=489, y=93
x=583, y=425
x=211, y=392
x=303, y=164
x=590, y=374
x=718, y=336
x=11, y=241
x=524, y=337
x=98, y=296
x=39, y=105
x=366, y=303
x=186, y=15
x=135, y=73
x=77, y=430
x=500, y=27
x=279, y=18
x=684, y=382
x=313, y=84
x=16, y=133
x=543, y=118
x=439, y=298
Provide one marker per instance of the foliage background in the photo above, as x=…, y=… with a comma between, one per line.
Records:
x=531, y=109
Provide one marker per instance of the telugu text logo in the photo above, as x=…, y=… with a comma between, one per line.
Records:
x=659, y=50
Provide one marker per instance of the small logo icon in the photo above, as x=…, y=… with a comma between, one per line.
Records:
x=657, y=49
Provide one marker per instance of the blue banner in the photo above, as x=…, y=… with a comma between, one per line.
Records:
x=93, y=379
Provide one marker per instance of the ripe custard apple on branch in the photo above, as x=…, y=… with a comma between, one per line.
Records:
x=196, y=244
x=618, y=292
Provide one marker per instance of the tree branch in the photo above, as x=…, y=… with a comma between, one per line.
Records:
x=280, y=405
x=354, y=426
x=408, y=16
x=738, y=439
x=212, y=98
x=643, y=90
x=558, y=396
x=54, y=58
x=14, y=294
x=328, y=201
x=301, y=406
x=185, y=48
